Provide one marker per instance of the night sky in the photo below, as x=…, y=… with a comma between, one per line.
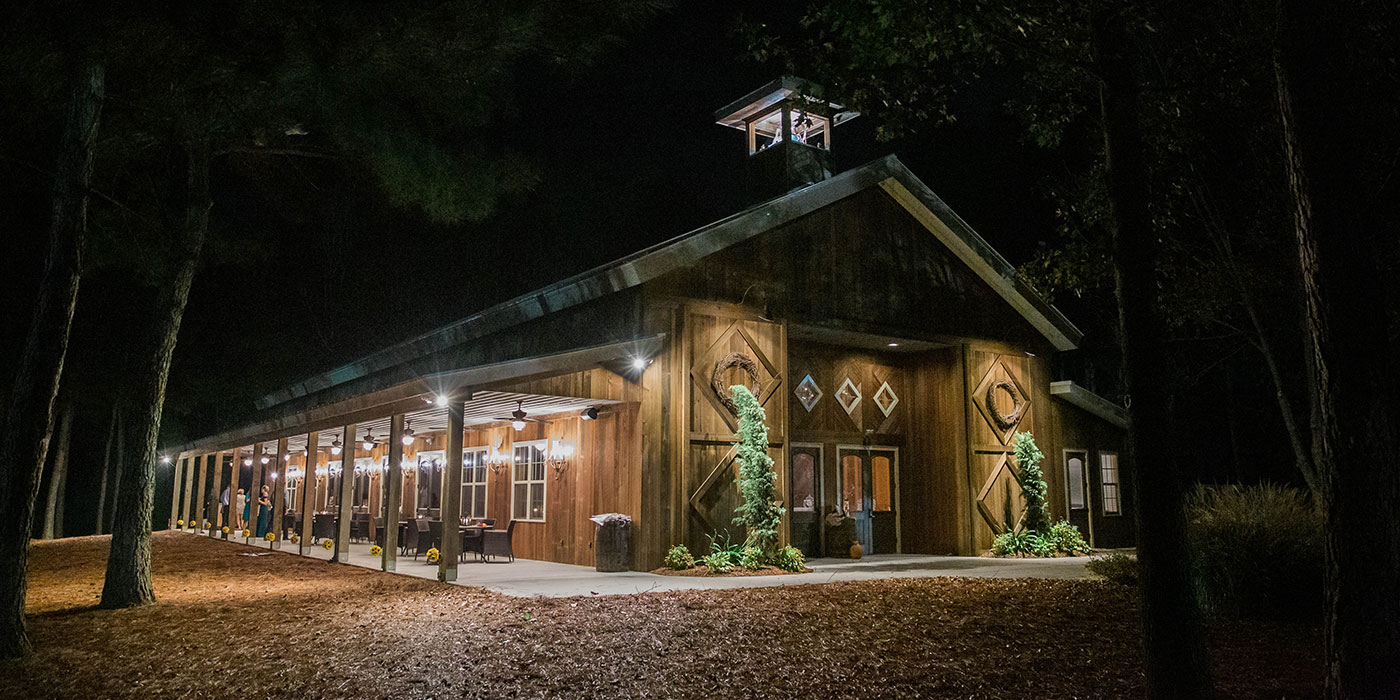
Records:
x=628, y=154
x=323, y=269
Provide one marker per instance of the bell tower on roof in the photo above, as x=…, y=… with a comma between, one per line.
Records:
x=788, y=128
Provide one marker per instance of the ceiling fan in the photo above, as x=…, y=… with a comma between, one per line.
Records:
x=518, y=418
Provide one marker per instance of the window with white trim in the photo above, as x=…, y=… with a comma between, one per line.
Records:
x=474, y=482
x=1108, y=476
x=527, y=483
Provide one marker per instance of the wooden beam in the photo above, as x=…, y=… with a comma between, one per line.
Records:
x=214, y=509
x=452, y=494
x=279, y=490
x=201, y=493
x=255, y=491
x=308, y=491
x=393, y=492
x=346, y=497
x=176, y=465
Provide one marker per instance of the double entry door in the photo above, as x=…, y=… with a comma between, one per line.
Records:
x=868, y=491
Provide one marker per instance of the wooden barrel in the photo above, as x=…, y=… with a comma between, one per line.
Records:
x=613, y=547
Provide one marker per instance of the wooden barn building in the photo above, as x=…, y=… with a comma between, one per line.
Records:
x=894, y=351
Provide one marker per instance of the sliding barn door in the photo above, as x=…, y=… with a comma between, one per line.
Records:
x=1000, y=406
x=726, y=349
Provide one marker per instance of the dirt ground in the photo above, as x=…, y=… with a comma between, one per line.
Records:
x=281, y=626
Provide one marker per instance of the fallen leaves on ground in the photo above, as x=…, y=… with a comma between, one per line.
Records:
x=286, y=626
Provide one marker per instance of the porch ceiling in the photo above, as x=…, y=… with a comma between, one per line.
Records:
x=484, y=407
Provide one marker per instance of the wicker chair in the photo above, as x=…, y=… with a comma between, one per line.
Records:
x=496, y=543
x=423, y=539
x=410, y=540
x=471, y=542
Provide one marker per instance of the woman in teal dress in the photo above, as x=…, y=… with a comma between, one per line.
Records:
x=264, y=512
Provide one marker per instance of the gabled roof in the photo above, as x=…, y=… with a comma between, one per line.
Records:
x=650, y=263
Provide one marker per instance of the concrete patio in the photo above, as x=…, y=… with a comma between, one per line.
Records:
x=528, y=578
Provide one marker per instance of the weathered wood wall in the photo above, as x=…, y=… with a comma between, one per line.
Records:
x=1076, y=429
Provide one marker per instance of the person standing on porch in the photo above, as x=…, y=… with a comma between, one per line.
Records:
x=264, y=512
x=241, y=511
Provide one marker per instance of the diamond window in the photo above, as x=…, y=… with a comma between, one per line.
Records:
x=848, y=396
x=808, y=393
x=886, y=399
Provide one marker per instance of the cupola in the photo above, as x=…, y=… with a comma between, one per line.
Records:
x=788, y=128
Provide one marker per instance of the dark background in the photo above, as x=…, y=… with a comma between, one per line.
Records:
x=628, y=155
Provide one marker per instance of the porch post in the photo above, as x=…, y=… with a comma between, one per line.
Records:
x=187, y=500
x=176, y=466
x=393, y=494
x=452, y=494
x=347, y=494
x=279, y=490
x=216, y=478
x=202, y=492
x=235, y=471
x=308, y=491
x=254, y=491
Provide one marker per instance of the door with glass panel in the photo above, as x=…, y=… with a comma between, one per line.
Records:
x=1077, y=488
x=805, y=465
x=869, y=495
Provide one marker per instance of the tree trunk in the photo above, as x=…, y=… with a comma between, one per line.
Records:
x=101, y=526
x=128, y=581
x=1354, y=380
x=117, y=469
x=58, y=478
x=1177, y=666
x=29, y=415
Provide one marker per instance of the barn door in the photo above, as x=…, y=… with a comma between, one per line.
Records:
x=868, y=495
x=725, y=351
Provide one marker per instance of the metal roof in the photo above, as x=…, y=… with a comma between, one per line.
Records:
x=652, y=262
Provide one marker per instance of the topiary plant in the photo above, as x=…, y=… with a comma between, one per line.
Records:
x=760, y=513
x=1033, y=488
x=678, y=558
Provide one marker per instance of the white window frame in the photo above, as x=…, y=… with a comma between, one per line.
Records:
x=543, y=481
x=1117, y=484
x=482, y=452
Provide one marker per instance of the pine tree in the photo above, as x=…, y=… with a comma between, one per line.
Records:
x=760, y=514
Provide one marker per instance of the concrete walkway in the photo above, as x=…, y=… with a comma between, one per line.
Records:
x=528, y=578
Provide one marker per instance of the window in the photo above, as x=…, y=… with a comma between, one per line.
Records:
x=1074, y=468
x=293, y=502
x=429, y=480
x=527, y=481
x=852, y=494
x=1108, y=474
x=474, y=482
x=804, y=493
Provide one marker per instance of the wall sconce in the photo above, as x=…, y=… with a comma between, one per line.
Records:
x=560, y=452
x=497, y=461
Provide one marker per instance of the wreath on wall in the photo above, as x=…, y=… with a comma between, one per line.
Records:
x=717, y=382
x=1005, y=421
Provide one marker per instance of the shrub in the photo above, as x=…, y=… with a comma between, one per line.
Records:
x=678, y=558
x=717, y=563
x=1256, y=551
x=1033, y=488
x=1024, y=543
x=1118, y=567
x=1065, y=538
x=751, y=558
x=760, y=513
x=790, y=558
